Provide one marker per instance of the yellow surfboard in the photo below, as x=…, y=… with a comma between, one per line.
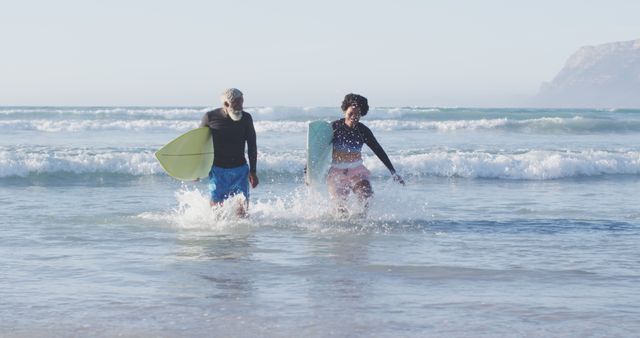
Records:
x=189, y=156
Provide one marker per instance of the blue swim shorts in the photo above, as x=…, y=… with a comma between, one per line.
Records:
x=226, y=182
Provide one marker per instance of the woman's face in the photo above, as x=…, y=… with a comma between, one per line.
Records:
x=352, y=115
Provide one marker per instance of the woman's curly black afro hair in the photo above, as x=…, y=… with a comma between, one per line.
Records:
x=356, y=100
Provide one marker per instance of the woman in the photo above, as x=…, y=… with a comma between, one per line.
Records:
x=347, y=173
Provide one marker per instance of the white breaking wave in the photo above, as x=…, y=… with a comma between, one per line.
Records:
x=72, y=126
x=528, y=165
x=263, y=113
x=54, y=126
x=440, y=126
x=90, y=112
x=281, y=127
x=576, y=124
x=552, y=125
x=22, y=163
x=525, y=165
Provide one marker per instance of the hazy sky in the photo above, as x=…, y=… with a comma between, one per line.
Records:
x=296, y=53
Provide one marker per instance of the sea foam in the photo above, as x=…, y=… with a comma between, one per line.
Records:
x=543, y=125
x=522, y=165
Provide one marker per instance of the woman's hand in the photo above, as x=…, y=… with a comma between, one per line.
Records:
x=398, y=178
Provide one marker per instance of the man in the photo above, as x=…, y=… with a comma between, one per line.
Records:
x=231, y=128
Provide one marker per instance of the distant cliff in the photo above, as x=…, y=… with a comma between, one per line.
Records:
x=603, y=76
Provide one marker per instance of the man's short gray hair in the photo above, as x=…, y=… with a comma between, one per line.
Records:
x=230, y=94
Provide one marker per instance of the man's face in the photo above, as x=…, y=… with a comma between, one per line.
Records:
x=235, y=104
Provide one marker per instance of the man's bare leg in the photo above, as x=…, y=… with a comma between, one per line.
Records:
x=243, y=208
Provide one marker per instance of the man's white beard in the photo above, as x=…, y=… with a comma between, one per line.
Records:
x=235, y=115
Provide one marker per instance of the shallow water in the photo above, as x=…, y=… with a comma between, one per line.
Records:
x=499, y=232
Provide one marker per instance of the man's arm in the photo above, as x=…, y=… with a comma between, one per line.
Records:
x=205, y=120
x=252, y=150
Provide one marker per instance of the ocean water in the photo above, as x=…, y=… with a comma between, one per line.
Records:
x=513, y=222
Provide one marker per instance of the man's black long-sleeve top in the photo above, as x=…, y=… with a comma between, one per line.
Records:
x=229, y=138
